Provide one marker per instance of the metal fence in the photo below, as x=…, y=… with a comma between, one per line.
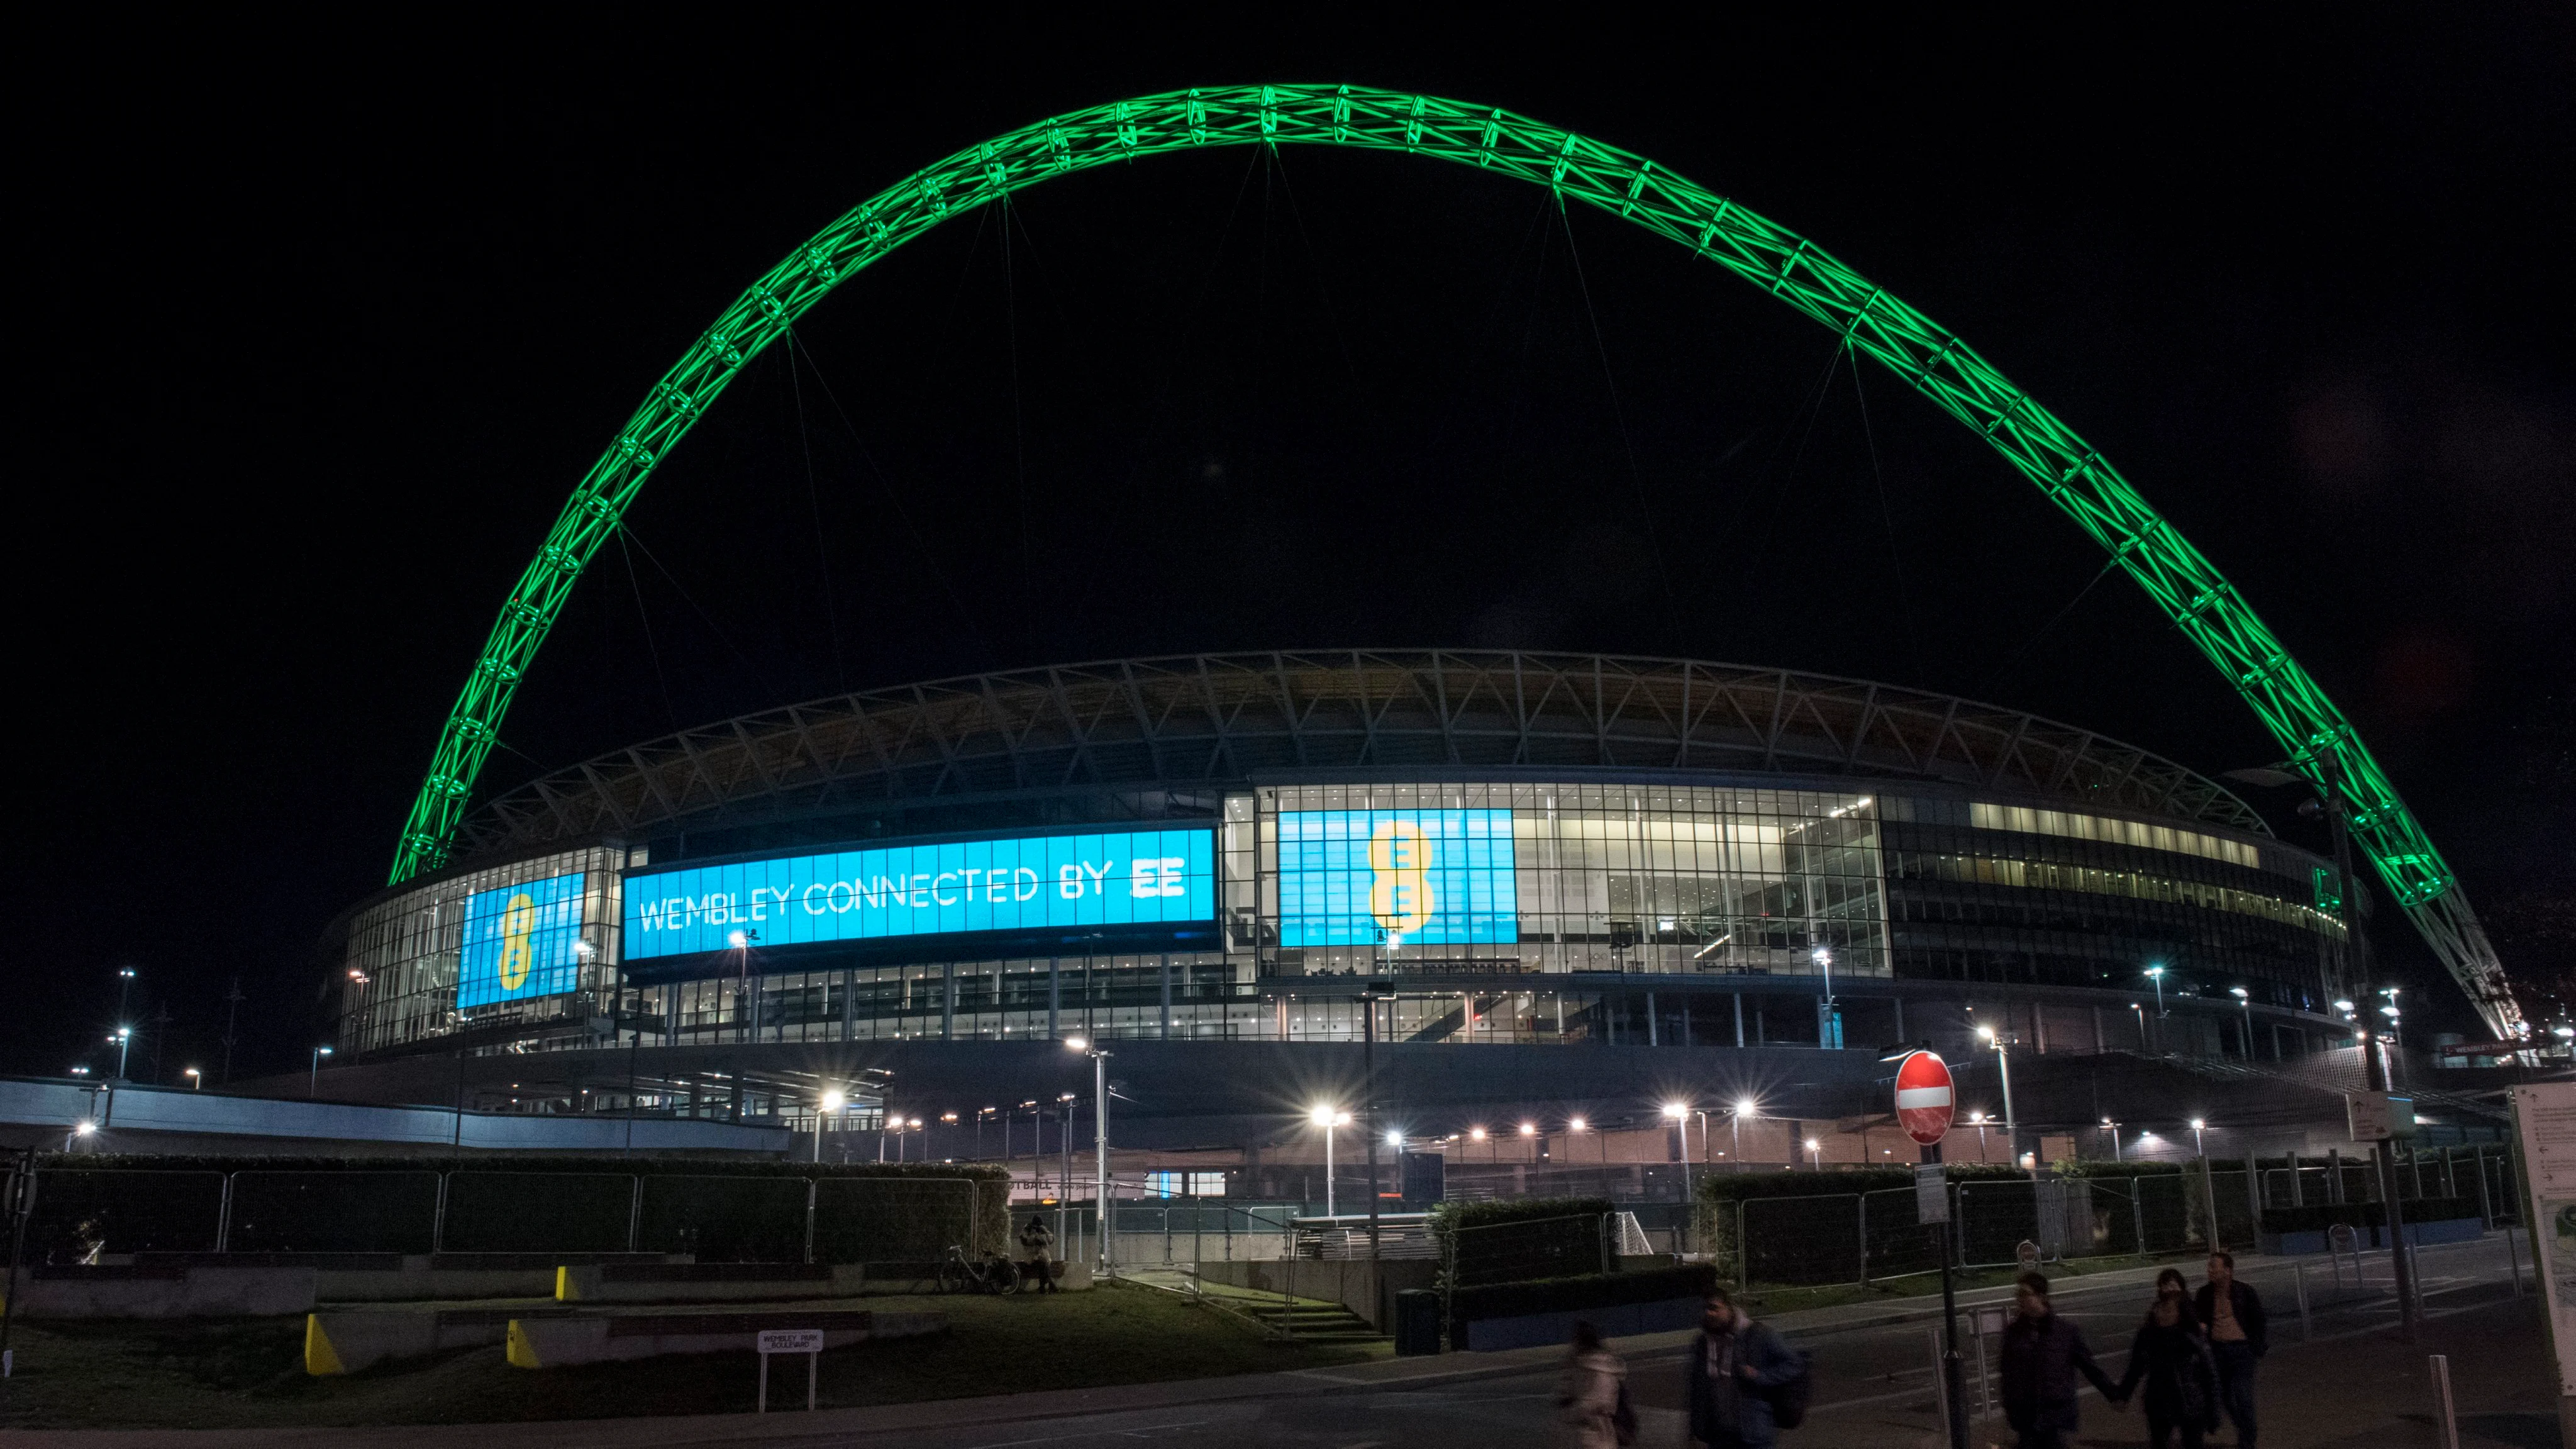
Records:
x=717, y=1217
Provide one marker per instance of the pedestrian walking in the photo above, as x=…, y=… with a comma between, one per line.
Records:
x=1737, y=1375
x=1037, y=1241
x=2232, y=1314
x=2042, y=1355
x=1592, y=1398
x=2171, y=1356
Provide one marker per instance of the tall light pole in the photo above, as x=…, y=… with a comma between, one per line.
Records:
x=2245, y=1002
x=2156, y=974
x=124, y=1031
x=2114, y=1129
x=1679, y=1114
x=1099, y=1142
x=313, y=1089
x=1328, y=1118
x=196, y=1079
x=831, y=1103
x=1826, y=1035
x=1744, y=1107
x=1815, y=1155
x=2003, y=1067
x=2209, y=1185
x=1978, y=1121
x=122, y=1041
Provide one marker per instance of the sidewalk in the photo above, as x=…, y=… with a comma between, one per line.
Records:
x=2366, y=1391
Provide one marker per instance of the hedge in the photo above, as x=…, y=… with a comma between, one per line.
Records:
x=2318, y=1216
x=1521, y=1240
x=1576, y=1294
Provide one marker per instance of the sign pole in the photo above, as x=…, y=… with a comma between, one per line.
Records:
x=1953, y=1381
x=1925, y=1100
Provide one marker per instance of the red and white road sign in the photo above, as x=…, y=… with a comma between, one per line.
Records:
x=1923, y=1097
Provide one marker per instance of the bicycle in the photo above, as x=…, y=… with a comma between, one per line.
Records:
x=992, y=1273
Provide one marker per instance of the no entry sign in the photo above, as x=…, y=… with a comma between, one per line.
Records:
x=1923, y=1097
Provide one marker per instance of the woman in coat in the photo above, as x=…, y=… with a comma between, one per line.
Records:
x=2172, y=1355
x=1587, y=1398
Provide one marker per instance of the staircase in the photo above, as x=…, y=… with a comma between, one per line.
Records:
x=1310, y=1322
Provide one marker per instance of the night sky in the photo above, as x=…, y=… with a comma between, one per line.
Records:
x=317, y=330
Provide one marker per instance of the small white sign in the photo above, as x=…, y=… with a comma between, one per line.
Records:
x=1989, y=1321
x=1931, y=1194
x=2379, y=1116
x=791, y=1340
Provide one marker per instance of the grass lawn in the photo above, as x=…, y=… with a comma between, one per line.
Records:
x=1762, y=1299
x=248, y=1373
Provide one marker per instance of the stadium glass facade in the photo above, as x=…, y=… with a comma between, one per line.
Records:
x=1528, y=911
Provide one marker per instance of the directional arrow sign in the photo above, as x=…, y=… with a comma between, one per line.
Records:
x=1923, y=1097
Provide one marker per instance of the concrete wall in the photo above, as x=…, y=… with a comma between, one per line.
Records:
x=1354, y=1284
x=163, y=1292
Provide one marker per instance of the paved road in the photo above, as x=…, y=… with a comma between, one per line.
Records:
x=1874, y=1379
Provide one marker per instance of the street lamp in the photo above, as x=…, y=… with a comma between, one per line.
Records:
x=2246, y=1002
x=1815, y=1154
x=1099, y=1141
x=314, y=1089
x=1679, y=1113
x=1744, y=1107
x=2003, y=1067
x=1328, y=1118
x=2114, y=1129
x=121, y=1040
x=2156, y=974
x=196, y=1079
x=1978, y=1121
x=2197, y=1147
x=832, y=1102
x=1826, y=1035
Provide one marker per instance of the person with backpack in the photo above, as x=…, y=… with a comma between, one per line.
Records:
x=1742, y=1383
x=2171, y=1355
x=2042, y=1355
x=1592, y=1399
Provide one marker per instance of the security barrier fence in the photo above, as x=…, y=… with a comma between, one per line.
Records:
x=1766, y=1230
x=847, y=1216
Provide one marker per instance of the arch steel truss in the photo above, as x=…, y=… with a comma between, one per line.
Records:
x=2320, y=741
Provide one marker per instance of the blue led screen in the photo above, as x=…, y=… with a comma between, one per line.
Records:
x=521, y=941
x=1358, y=877
x=1120, y=878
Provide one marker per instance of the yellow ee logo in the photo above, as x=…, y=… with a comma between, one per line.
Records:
x=1399, y=854
x=518, y=922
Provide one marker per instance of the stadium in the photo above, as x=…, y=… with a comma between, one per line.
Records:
x=1475, y=895
x=1724, y=876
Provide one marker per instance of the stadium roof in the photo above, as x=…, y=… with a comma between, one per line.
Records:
x=1196, y=721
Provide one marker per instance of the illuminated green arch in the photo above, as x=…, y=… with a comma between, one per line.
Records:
x=2183, y=583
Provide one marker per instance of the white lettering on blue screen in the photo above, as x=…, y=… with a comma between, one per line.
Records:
x=1145, y=876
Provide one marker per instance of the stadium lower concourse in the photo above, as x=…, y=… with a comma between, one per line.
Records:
x=1563, y=884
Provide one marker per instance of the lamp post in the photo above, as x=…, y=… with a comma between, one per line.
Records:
x=1679, y=1114
x=2114, y=1129
x=312, y=1089
x=1827, y=1036
x=2156, y=974
x=123, y=1040
x=124, y=993
x=831, y=1103
x=196, y=1079
x=1815, y=1155
x=1100, y=1143
x=1978, y=1121
x=1328, y=1119
x=1744, y=1107
x=2197, y=1146
x=2003, y=1067
x=2142, y=1024
x=2245, y=1002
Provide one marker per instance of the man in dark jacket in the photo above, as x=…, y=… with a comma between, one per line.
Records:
x=1728, y=1372
x=2232, y=1312
x=2042, y=1355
